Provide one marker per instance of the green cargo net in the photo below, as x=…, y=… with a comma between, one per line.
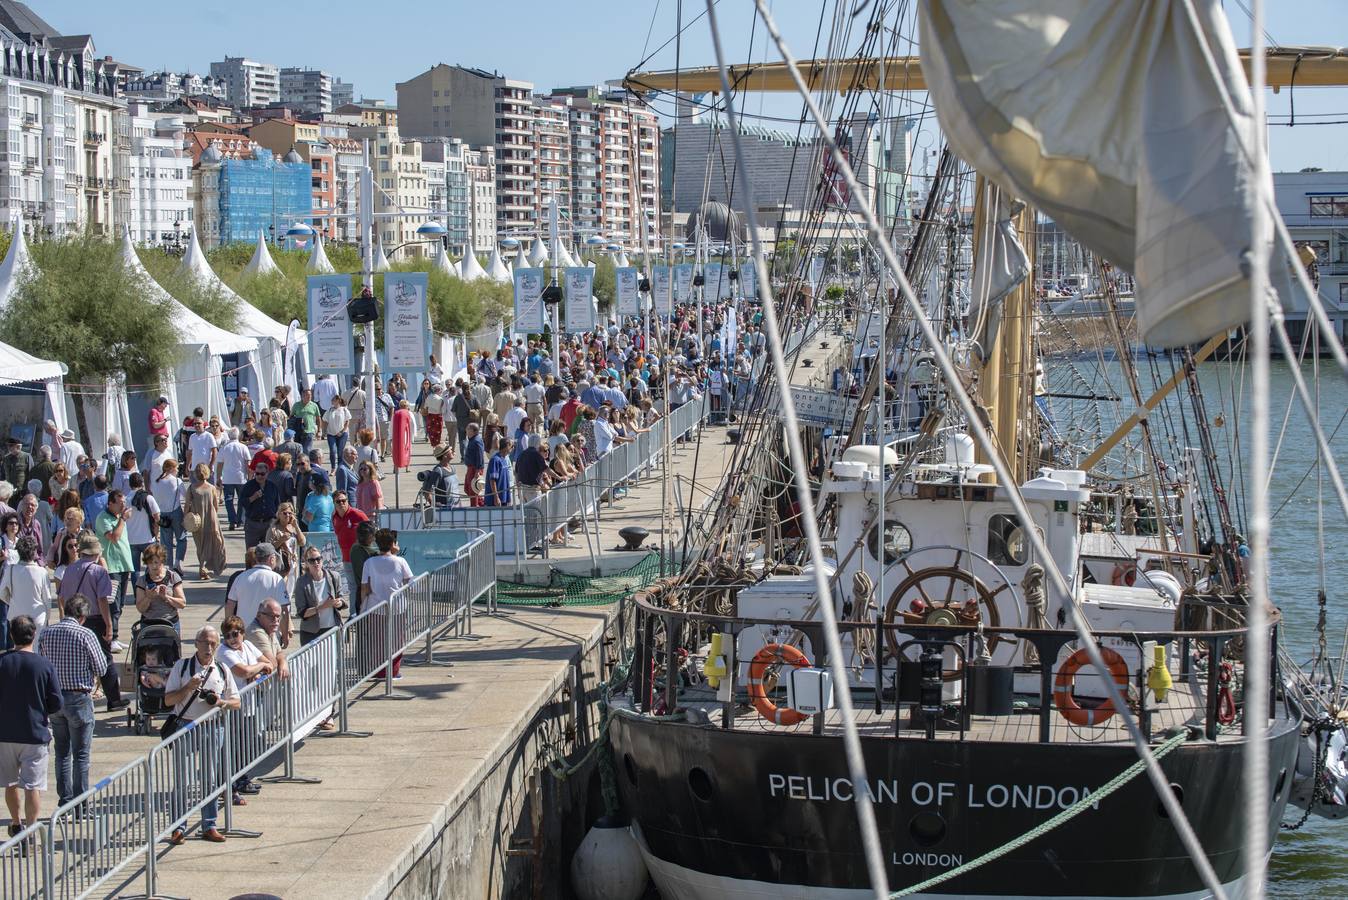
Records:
x=580, y=590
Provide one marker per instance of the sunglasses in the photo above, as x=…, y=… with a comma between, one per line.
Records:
x=266, y=615
x=233, y=634
x=338, y=499
x=314, y=559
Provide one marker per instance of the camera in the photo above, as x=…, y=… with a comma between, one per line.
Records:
x=210, y=697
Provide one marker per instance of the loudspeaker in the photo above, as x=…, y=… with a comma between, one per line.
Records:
x=363, y=309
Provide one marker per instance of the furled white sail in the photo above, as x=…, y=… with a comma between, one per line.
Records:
x=999, y=268
x=318, y=258
x=261, y=263
x=1112, y=118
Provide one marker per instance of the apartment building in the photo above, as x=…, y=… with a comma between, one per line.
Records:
x=236, y=198
x=400, y=190
x=160, y=172
x=162, y=87
x=481, y=108
x=248, y=83
x=551, y=144
x=469, y=197
x=311, y=91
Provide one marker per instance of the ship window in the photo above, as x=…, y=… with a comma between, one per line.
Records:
x=1006, y=541
x=897, y=541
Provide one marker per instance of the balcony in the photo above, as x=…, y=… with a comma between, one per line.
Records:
x=30, y=120
x=94, y=138
x=32, y=164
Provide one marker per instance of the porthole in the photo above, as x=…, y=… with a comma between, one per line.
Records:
x=927, y=829
x=898, y=541
x=1006, y=541
x=699, y=782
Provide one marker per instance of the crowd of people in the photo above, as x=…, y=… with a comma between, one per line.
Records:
x=84, y=535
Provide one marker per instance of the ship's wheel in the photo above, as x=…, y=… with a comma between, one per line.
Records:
x=950, y=594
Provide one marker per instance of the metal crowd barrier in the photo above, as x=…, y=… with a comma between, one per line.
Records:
x=97, y=837
x=524, y=526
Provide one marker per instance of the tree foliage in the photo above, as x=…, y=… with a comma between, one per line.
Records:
x=208, y=301
x=605, y=282
x=87, y=311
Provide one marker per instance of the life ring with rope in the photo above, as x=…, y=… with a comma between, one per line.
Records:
x=771, y=655
x=1067, y=704
x=1124, y=575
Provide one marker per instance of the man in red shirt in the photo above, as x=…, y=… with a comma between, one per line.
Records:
x=265, y=456
x=345, y=520
x=159, y=418
x=569, y=410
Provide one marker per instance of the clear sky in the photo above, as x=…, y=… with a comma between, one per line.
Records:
x=375, y=45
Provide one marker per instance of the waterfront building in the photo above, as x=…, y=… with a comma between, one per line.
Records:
x=160, y=170
x=368, y=112
x=236, y=197
x=400, y=187
x=469, y=196
x=248, y=83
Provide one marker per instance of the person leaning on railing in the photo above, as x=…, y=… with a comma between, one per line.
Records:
x=319, y=603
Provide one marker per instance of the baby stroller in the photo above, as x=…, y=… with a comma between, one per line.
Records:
x=155, y=647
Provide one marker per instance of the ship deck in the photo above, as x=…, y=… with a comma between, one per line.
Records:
x=1184, y=706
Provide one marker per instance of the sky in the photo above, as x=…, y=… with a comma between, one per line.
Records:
x=557, y=44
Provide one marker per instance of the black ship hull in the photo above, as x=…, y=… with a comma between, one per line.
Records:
x=755, y=814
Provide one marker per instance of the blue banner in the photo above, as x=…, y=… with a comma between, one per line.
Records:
x=528, y=301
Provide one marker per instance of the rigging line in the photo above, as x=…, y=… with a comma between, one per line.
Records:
x=1291, y=401
x=1307, y=474
x=1179, y=820
x=678, y=36
x=650, y=29
x=851, y=740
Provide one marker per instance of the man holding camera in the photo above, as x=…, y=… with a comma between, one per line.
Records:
x=194, y=687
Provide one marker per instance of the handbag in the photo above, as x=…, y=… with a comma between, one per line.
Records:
x=192, y=521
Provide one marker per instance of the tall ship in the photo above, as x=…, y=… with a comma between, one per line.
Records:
x=950, y=630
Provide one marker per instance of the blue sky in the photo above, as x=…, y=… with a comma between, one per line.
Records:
x=375, y=45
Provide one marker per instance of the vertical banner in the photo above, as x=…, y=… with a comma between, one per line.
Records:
x=816, y=272
x=628, y=283
x=330, y=348
x=715, y=287
x=578, y=288
x=662, y=290
x=528, y=301
x=407, y=322
x=749, y=279
x=683, y=283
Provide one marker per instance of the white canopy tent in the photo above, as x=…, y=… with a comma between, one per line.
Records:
x=318, y=258
x=261, y=263
x=470, y=269
x=253, y=322
x=198, y=379
x=497, y=269
x=380, y=259
x=441, y=262
x=104, y=412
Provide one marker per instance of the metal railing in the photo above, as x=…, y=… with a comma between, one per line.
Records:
x=115, y=825
x=526, y=525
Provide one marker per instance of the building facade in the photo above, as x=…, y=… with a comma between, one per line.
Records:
x=248, y=83
x=310, y=91
x=469, y=197
x=160, y=168
x=161, y=87
x=1314, y=206
x=481, y=108
x=401, y=202
x=235, y=199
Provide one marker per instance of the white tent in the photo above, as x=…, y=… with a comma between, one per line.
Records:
x=318, y=258
x=497, y=270
x=261, y=263
x=253, y=322
x=380, y=260
x=470, y=269
x=198, y=378
x=441, y=262
x=621, y=260
x=538, y=253
x=17, y=266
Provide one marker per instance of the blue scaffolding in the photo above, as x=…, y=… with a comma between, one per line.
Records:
x=256, y=194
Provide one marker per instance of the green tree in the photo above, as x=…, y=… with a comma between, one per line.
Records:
x=208, y=301
x=605, y=282
x=86, y=310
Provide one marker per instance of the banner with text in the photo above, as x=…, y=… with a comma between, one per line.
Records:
x=715, y=284
x=407, y=322
x=578, y=288
x=662, y=290
x=683, y=283
x=628, y=284
x=816, y=272
x=749, y=280
x=330, y=347
x=528, y=302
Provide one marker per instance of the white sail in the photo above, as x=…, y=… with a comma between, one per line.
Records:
x=261, y=263
x=1108, y=118
x=318, y=258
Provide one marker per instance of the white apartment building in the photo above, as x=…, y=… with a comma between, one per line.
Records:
x=62, y=118
x=160, y=170
x=248, y=83
x=310, y=91
x=162, y=87
x=400, y=187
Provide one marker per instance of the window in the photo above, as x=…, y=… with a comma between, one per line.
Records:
x=1329, y=205
x=1006, y=541
x=897, y=541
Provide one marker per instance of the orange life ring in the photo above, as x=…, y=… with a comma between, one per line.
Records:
x=770, y=655
x=1062, y=688
x=1124, y=575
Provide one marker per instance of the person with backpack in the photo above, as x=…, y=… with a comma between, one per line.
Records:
x=142, y=529
x=194, y=687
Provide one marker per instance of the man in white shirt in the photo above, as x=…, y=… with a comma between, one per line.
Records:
x=325, y=389
x=381, y=576
x=436, y=372
x=534, y=392
x=355, y=404
x=256, y=586
x=154, y=460
x=201, y=448
x=194, y=687
x=71, y=449
x=603, y=433
x=513, y=417
x=233, y=457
